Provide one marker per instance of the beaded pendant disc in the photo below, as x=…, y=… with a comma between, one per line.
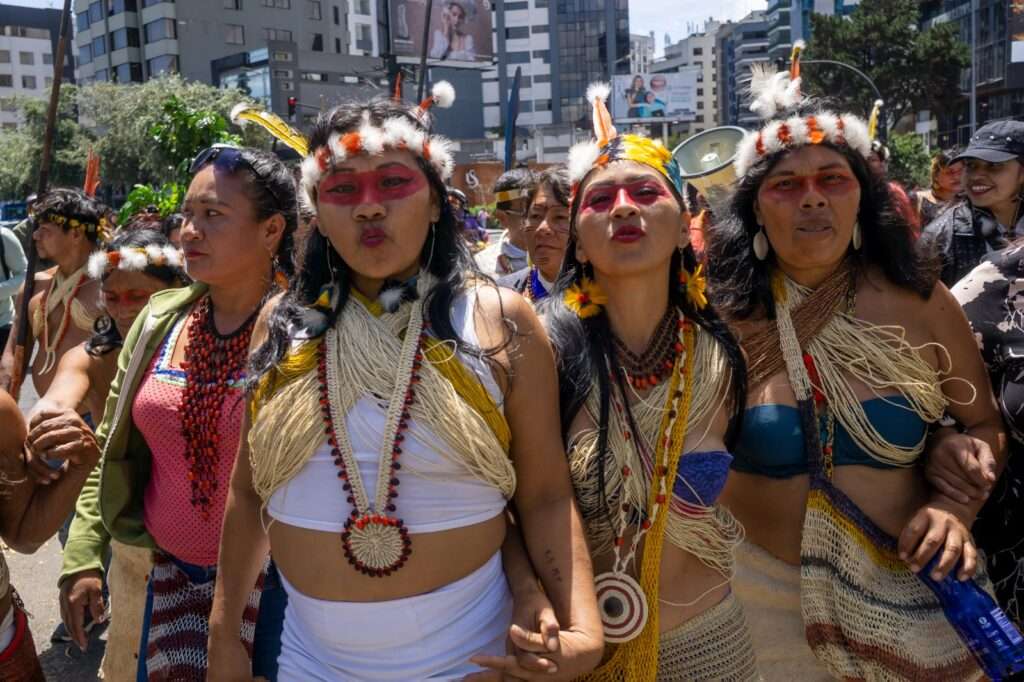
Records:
x=376, y=544
x=623, y=606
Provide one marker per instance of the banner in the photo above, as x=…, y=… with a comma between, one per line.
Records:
x=460, y=30
x=643, y=97
x=1016, y=31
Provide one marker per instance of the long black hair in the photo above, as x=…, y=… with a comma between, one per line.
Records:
x=585, y=348
x=106, y=336
x=444, y=254
x=740, y=283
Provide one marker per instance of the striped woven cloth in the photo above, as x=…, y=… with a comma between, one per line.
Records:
x=180, y=622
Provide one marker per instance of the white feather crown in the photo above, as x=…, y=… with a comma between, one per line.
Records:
x=394, y=133
x=133, y=259
x=773, y=93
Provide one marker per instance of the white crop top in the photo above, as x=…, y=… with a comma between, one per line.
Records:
x=437, y=492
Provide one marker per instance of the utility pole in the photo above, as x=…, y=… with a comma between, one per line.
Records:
x=423, y=54
x=390, y=60
x=974, y=66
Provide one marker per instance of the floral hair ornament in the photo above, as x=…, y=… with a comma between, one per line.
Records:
x=772, y=95
x=695, y=285
x=133, y=259
x=585, y=298
x=609, y=146
x=100, y=228
x=396, y=132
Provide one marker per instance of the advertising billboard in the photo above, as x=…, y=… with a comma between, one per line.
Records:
x=648, y=96
x=460, y=30
x=1015, y=28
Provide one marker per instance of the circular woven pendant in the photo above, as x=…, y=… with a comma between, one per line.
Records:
x=623, y=606
x=375, y=544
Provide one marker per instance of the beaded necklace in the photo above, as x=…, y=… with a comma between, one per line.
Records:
x=66, y=292
x=622, y=602
x=535, y=290
x=656, y=363
x=374, y=542
x=212, y=363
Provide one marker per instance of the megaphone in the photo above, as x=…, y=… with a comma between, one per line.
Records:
x=706, y=159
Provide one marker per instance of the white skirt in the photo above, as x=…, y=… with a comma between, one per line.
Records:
x=426, y=637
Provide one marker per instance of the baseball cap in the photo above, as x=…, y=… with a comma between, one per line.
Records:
x=995, y=142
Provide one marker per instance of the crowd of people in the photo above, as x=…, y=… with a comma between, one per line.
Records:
x=311, y=428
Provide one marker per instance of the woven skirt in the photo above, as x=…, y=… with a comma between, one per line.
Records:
x=715, y=645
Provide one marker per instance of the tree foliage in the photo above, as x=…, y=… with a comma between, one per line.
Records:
x=909, y=162
x=913, y=69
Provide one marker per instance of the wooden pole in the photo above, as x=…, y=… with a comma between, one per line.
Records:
x=22, y=355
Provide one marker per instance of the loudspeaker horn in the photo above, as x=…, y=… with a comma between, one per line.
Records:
x=706, y=159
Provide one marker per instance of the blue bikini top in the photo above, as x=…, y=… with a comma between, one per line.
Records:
x=771, y=443
x=701, y=476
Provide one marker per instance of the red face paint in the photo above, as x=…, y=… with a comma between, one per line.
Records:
x=794, y=187
x=604, y=198
x=390, y=183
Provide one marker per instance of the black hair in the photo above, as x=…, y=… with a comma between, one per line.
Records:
x=517, y=178
x=556, y=178
x=741, y=284
x=171, y=223
x=270, y=186
x=73, y=204
x=105, y=336
x=444, y=254
x=142, y=221
x=585, y=349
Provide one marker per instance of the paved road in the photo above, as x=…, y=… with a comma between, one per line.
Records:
x=35, y=576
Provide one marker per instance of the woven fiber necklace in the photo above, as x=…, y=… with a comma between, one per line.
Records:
x=375, y=543
x=621, y=600
x=60, y=292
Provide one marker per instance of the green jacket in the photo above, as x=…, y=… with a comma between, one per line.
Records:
x=110, y=504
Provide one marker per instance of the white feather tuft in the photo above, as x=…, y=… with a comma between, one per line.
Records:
x=855, y=130
x=98, y=264
x=582, y=158
x=390, y=299
x=441, y=156
x=443, y=93
x=172, y=256
x=746, y=153
x=597, y=91
x=800, y=45
x=310, y=179
x=154, y=254
x=372, y=138
x=768, y=89
x=237, y=111
x=132, y=260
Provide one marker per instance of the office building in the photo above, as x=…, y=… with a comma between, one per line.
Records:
x=790, y=20
x=699, y=51
x=28, y=42
x=739, y=45
x=641, y=52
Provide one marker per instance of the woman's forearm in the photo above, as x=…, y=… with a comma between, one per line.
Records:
x=558, y=551
x=521, y=576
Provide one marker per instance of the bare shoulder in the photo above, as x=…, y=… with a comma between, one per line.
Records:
x=498, y=306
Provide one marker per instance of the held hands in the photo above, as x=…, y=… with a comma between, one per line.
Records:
x=228, y=659
x=538, y=649
x=961, y=467
x=941, y=526
x=59, y=435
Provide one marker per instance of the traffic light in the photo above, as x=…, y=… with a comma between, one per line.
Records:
x=292, y=103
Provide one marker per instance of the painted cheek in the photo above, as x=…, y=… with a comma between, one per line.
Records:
x=371, y=187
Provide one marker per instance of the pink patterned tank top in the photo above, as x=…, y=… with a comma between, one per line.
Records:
x=177, y=526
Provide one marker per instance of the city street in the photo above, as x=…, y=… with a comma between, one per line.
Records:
x=35, y=577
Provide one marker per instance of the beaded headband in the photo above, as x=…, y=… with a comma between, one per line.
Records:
x=773, y=92
x=610, y=146
x=133, y=259
x=100, y=228
x=394, y=133
x=510, y=195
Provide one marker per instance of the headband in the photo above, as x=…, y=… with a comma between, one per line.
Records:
x=133, y=259
x=510, y=195
x=99, y=228
x=610, y=146
x=774, y=92
x=396, y=132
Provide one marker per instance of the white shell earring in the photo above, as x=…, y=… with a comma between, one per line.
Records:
x=761, y=244
x=857, y=238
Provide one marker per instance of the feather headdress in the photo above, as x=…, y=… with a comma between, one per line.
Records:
x=608, y=145
x=772, y=94
x=133, y=259
x=247, y=113
x=876, y=111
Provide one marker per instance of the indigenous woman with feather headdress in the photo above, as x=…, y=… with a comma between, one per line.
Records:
x=854, y=350
x=402, y=402
x=651, y=381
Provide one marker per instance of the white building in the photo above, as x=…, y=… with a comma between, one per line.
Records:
x=697, y=50
x=364, y=38
x=26, y=67
x=526, y=42
x=641, y=52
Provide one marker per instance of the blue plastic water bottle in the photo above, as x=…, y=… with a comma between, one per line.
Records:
x=988, y=633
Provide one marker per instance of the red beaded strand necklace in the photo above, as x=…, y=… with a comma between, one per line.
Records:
x=212, y=363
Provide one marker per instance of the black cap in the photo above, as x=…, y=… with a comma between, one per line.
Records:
x=995, y=142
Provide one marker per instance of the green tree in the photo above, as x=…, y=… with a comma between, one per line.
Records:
x=913, y=69
x=909, y=162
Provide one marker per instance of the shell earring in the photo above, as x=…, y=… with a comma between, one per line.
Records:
x=857, y=239
x=761, y=245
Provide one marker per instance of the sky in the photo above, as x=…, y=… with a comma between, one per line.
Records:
x=661, y=16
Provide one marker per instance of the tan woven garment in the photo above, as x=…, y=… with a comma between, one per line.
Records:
x=715, y=645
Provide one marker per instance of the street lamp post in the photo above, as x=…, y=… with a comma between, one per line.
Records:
x=882, y=128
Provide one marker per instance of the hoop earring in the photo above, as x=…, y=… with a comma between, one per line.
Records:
x=857, y=237
x=761, y=245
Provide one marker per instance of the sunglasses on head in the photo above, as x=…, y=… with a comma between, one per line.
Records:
x=228, y=158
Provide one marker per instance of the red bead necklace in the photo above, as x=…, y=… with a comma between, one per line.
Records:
x=657, y=362
x=212, y=363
